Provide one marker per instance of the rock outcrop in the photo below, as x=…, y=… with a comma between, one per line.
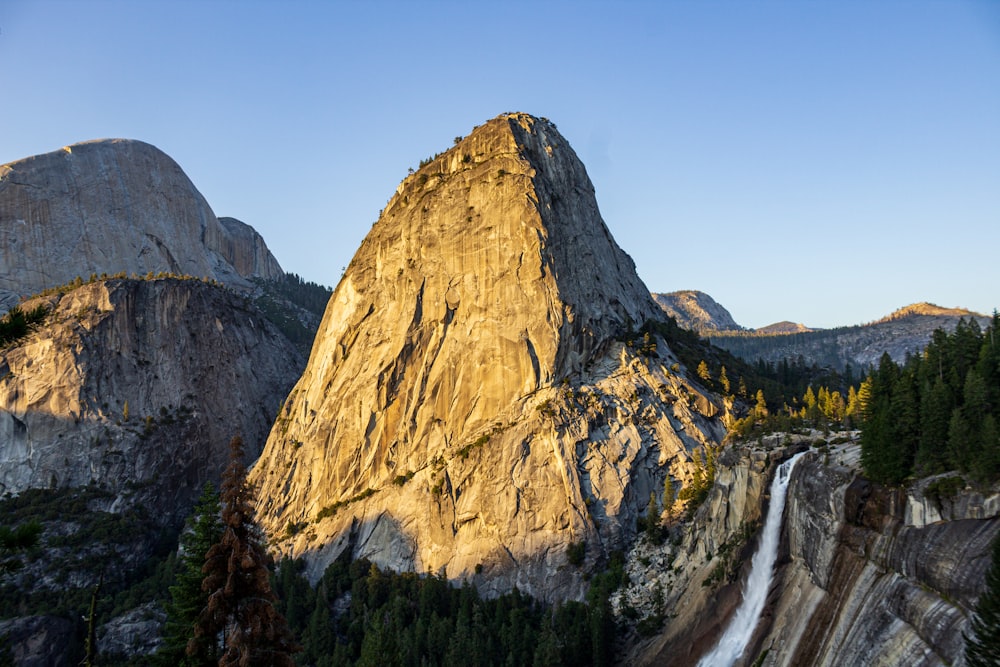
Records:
x=696, y=311
x=865, y=576
x=877, y=576
x=478, y=396
x=112, y=206
x=39, y=641
x=139, y=384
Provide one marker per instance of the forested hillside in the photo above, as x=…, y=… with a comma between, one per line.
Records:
x=905, y=331
x=937, y=411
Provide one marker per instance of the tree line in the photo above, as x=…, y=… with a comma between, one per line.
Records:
x=937, y=411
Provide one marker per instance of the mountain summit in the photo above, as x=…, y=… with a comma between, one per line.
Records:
x=471, y=405
x=110, y=206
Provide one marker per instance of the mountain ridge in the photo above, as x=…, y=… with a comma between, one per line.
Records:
x=904, y=331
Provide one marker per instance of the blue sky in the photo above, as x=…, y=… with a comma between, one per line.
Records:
x=819, y=161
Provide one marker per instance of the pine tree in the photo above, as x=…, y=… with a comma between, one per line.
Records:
x=704, y=373
x=760, y=407
x=187, y=597
x=241, y=610
x=983, y=648
x=652, y=514
x=936, y=405
x=668, y=494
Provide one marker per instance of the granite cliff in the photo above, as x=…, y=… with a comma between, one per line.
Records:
x=866, y=575
x=112, y=206
x=696, y=311
x=139, y=382
x=478, y=397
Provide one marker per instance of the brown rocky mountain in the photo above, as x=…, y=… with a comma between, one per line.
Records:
x=112, y=206
x=471, y=406
x=784, y=327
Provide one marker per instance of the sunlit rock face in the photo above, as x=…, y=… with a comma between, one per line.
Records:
x=137, y=386
x=471, y=406
x=109, y=206
x=696, y=310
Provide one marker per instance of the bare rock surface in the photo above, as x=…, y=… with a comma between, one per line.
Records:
x=139, y=384
x=111, y=206
x=865, y=576
x=478, y=397
x=696, y=311
x=39, y=641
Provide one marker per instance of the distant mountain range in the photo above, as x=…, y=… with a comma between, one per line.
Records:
x=903, y=331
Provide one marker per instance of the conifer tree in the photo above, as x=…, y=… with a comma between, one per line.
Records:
x=241, y=608
x=668, y=494
x=187, y=597
x=983, y=648
x=703, y=372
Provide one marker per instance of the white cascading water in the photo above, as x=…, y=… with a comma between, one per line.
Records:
x=743, y=623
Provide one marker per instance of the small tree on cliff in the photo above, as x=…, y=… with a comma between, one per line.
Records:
x=240, y=614
x=983, y=648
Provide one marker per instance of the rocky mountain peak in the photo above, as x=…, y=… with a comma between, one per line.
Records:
x=784, y=327
x=111, y=206
x=470, y=405
x=929, y=310
x=696, y=311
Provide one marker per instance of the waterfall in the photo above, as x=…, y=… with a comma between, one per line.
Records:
x=744, y=621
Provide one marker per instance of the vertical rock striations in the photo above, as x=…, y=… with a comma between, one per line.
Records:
x=865, y=575
x=110, y=206
x=878, y=576
x=138, y=386
x=471, y=405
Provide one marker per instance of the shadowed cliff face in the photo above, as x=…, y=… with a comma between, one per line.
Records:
x=139, y=385
x=467, y=372
x=110, y=206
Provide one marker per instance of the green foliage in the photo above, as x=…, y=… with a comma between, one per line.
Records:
x=463, y=453
x=944, y=488
x=278, y=300
x=695, y=493
x=187, y=598
x=936, y=412
x=982, y=648
x=17, y=324
x=331, y=510
x=576, y=552
x=400, y=480
x=14, y=541
x=78, y=543
x=408, y=619
x=782, y=383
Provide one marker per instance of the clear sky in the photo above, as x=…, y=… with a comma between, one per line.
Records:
x=824, y=162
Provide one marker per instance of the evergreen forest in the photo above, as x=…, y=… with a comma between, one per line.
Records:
x=936, y=412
